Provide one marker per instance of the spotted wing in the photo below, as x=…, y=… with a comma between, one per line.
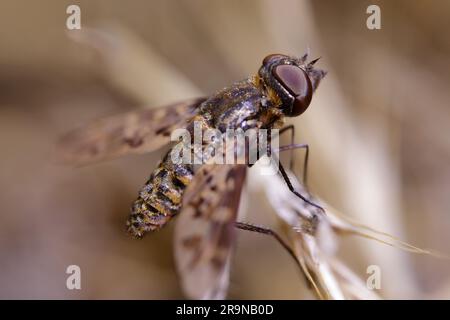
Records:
x=133, y=132
x=204, y=232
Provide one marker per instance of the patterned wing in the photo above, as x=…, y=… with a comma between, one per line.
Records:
x=133, y=132
x=204, y=232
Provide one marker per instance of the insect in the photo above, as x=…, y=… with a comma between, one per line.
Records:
x=205, y=197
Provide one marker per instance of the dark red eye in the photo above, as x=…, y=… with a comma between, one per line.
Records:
x=297, y=82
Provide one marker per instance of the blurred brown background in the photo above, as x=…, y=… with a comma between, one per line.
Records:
x=378, y=128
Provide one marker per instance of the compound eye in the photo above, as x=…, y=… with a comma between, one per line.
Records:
x=297, y=83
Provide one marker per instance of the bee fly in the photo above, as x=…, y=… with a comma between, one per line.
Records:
x=206, y=196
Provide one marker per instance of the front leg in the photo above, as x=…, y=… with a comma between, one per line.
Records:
x=290, y=186
x=292, y=146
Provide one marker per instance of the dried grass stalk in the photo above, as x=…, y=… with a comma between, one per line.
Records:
x=315, y=238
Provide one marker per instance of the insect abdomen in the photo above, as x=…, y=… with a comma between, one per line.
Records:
x=160, y=198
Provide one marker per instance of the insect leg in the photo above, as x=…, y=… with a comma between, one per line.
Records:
x=292, y=129
x=269, y=232
x=305, y=161
x=286, y=177
x=292, y=147
x=291, y=187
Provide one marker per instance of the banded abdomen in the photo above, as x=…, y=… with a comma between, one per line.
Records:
x=160, y=198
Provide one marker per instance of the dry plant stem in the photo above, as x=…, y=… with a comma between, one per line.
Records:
x=352, y=284
x=321, y=275
x=313, y=241
x=300, y=263
x=348, y=225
